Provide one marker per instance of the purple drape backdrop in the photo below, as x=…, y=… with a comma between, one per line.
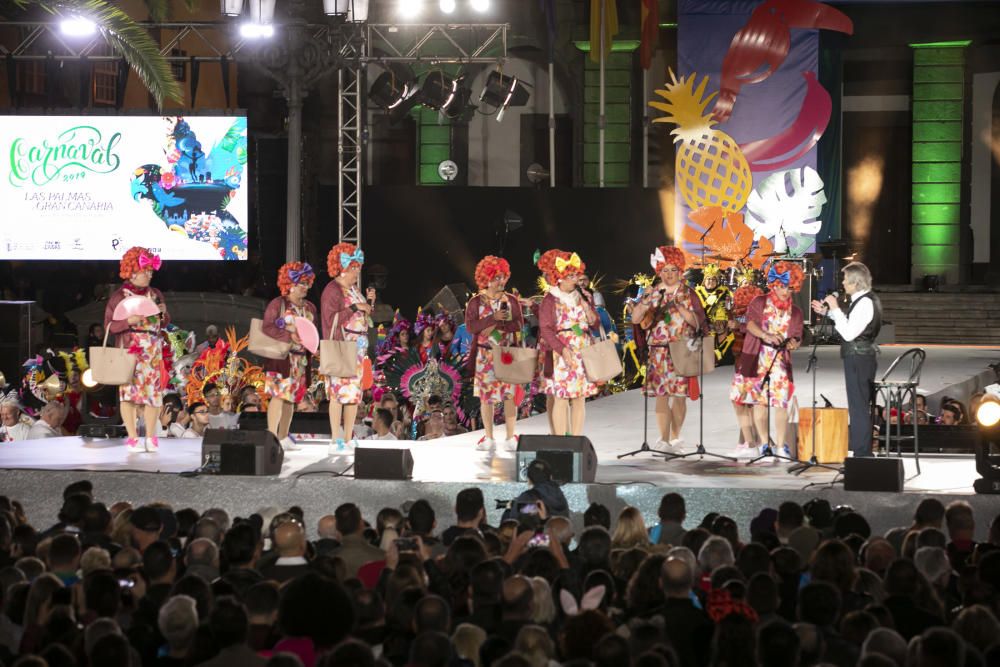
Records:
x=762, y=110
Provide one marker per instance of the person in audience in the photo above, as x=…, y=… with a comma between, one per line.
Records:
x=200, y=420
x=433, y=426
x=952, y=414
x=217, y=416
x=470, y=514
x=346, y=314
x=354, y=549
x=451, y=424
x=493, y=317
x=288, y=379
x=565, y=317
x=49, y=424
x=668, y=313
x=381, y=425
x=14, y=425
x=174, y=419
x=140, y=333
x=672, y=514
x=211, y=339
x=290, y=545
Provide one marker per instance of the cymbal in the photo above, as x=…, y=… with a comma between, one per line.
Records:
x=776, y=254
x=723, y=258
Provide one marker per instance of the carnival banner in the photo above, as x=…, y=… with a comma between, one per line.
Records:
x=91, y=187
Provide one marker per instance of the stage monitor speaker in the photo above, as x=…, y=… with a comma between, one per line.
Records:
x=383, y=463
x=866, y=473
x=571, y=457
x=451, y=298
x=242, y=452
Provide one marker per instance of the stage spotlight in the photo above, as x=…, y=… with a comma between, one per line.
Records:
x=256, y=30
x=447, y=6
x=988, y=412
x=504, y=91
x=231, y=8
x=409, y=9
x=262, y=11
x=77, y=26
x=480, y=5
x=393, y=86
x=440, y=91
x=88, y=379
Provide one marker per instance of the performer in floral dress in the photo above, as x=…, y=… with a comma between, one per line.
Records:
x=493, y=317
x=346, y=316
x=565, y=317
x=288, y=379
x=774, y=330
x=141, y=337
x=742, y=298
x=668, y=313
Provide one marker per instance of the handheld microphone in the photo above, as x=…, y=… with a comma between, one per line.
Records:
x=836, y=295
x=826, y=401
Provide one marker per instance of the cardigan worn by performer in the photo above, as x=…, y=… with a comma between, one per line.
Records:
x=476, y=325
x=747, y=364
x=274, y=310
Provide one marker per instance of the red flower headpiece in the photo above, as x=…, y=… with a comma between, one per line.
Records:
x=667, y=254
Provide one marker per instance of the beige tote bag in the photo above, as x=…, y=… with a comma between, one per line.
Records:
x=690, y=354
x=111, y=365
x=513, y=364
x=263, y=345
x=601, y=360
x=338, y=358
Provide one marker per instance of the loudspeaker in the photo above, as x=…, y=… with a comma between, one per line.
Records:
x=871, y=474
x=571, y=457
x=242, y=452
x=382, y=463
x=449, y=299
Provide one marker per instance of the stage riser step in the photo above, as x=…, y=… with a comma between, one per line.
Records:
x=932, y=317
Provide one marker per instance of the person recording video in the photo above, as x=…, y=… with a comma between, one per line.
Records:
x=544, y=492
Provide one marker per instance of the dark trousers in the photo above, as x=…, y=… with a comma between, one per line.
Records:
x=859, y=373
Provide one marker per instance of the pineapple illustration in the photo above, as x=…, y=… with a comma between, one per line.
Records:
x=710, y=169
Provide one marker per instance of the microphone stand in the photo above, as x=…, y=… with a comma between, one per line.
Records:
x=813, y=462
x=700, y=450
x=645, y=407
x=768, y=451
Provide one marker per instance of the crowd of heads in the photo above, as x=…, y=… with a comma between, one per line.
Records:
x=803, y=584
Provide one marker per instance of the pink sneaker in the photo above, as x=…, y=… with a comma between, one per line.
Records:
x=153, y=444
x=133, y=446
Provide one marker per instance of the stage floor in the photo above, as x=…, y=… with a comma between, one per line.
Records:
x=614, y=425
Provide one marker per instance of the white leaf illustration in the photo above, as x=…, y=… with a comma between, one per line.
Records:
x=785, y=206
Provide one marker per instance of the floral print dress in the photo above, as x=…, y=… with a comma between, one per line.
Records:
x=149, y=379
x=347, y=391
x=753, y=390
x=485, y=386
x=292, y=387
x=570, y=380
x=661, y=378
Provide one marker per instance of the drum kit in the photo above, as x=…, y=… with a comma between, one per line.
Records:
x=736, y=269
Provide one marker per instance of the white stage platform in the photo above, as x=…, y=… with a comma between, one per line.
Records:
x=614, y=425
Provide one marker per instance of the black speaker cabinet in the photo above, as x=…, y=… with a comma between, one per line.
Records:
x=871, y=474
x=242, y=452
x=383, y=463
x=571, y=457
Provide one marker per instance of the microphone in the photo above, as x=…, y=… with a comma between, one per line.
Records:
x=826, y=401
x=836, y=295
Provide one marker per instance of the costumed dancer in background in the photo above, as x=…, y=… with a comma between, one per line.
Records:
x=288, y=379
x=717, y=302
x=669, y=312
x=774, y=330
x=345, y=313
x=492, y=317
x=141, y=336
x=565, y=317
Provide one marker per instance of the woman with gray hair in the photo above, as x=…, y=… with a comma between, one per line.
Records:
x=858, y=329
x=715, y=552
x=178, y=622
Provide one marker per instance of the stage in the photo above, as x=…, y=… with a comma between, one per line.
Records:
x=36, y=470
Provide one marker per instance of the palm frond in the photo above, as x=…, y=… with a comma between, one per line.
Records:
x=127, y=38
x=159, y=10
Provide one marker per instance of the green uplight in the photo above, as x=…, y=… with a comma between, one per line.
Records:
x=617, y=45
x=957, y=44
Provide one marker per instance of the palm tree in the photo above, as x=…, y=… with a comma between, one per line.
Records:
x=126, y=37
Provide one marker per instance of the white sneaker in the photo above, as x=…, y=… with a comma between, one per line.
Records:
x=336, y=447
x=152, y=444
x=134, y=446
x=662, y=445
x=290, y=445
x=677, y=444
x=486, y=444
x=745, y=452
x=510, y=444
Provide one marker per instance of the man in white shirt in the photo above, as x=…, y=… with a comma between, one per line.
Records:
x=199, y=420
x=217, y=417
x=858, y=329
x=381, y=422
x=13, y=425
x=49, y=424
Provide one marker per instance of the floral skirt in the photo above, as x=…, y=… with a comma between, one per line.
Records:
x=290, y=388
x=753, y=391
x=569, y=380
x=661, y=378
x=147, y=383
x=486, y=387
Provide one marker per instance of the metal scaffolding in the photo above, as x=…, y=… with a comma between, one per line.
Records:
x=301, y=54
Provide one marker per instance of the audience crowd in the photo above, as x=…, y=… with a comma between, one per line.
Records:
x=109, y=585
